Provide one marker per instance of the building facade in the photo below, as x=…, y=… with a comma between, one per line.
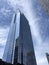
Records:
x=20, y=49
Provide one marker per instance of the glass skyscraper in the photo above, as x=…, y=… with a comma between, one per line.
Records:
x=20, y=49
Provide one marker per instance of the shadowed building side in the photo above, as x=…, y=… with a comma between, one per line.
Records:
x=26, y=43
x=16, y=51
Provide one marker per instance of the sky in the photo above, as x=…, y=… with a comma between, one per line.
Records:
x=37, y=19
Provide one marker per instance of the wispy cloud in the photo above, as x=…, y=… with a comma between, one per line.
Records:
x=4, y=11
x=3, y=38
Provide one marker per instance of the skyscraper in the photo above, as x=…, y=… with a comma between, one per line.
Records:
x=20, y=49
x=26, y=42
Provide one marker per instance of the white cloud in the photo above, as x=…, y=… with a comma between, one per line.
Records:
x=40, y=52
x=18, y=3
x=1, y=52
x=4, y=11
x=42, y=61
x=3, y=38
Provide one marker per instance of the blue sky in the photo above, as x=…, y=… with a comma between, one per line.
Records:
x=38, y=21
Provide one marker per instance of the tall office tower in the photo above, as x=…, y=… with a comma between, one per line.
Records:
x=26, y=43
x=19, y=47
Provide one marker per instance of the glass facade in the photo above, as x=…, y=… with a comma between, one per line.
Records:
x=13, y=34
x=26, y=43
x=22, y=47
x=9, y=48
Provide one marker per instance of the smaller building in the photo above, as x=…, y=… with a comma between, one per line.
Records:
x=47, y=55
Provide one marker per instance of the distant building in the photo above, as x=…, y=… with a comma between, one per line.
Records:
x=47, y=55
